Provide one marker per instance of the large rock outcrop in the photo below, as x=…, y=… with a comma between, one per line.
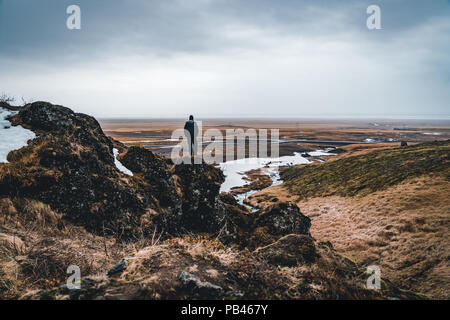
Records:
x=290, y=250
x=283, y=218
x=267, y=225
x=70, y=166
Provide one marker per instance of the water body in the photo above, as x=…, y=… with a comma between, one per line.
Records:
x=235, y=170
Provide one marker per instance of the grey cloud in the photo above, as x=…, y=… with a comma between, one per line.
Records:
x=212, y=49
x=166, y=27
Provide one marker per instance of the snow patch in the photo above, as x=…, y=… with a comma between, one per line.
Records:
x=234, y=170
x=432, y=133
x=119, y=165
x=12, y=137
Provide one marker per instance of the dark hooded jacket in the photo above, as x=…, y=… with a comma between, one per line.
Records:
x=191, y=127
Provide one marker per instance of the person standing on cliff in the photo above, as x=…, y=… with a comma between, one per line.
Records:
x=191, y=131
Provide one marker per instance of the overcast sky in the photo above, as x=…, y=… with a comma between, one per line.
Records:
x=271, y=58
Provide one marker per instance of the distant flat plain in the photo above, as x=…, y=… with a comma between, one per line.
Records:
x=297, y=135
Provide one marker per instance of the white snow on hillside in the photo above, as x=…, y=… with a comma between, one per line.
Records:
x=432, y=133
x=119, y=165
x=11, y=137
x=234, y=170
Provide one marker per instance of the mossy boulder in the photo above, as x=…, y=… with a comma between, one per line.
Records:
x=283, y=218
x=267, y=225
x=71, y=167
x=290, y=250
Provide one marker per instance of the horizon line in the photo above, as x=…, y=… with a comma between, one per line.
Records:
x=284, y=117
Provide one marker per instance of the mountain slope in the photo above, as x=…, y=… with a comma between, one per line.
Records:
x=363, y=174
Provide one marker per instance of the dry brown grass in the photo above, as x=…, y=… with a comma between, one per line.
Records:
x=48, y=245
x=366, y=173
x=403, y=229
x=153, y=273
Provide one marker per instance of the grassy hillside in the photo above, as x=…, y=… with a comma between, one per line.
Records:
x=364, y=174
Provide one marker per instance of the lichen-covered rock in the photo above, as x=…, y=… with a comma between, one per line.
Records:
x=198, y=288
x=263, y=227
x=157, y=173
x=119, y=267
x=70, y=166
x=199, y=186
x=283, y=218
x=290, y=250
x=237, y=222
